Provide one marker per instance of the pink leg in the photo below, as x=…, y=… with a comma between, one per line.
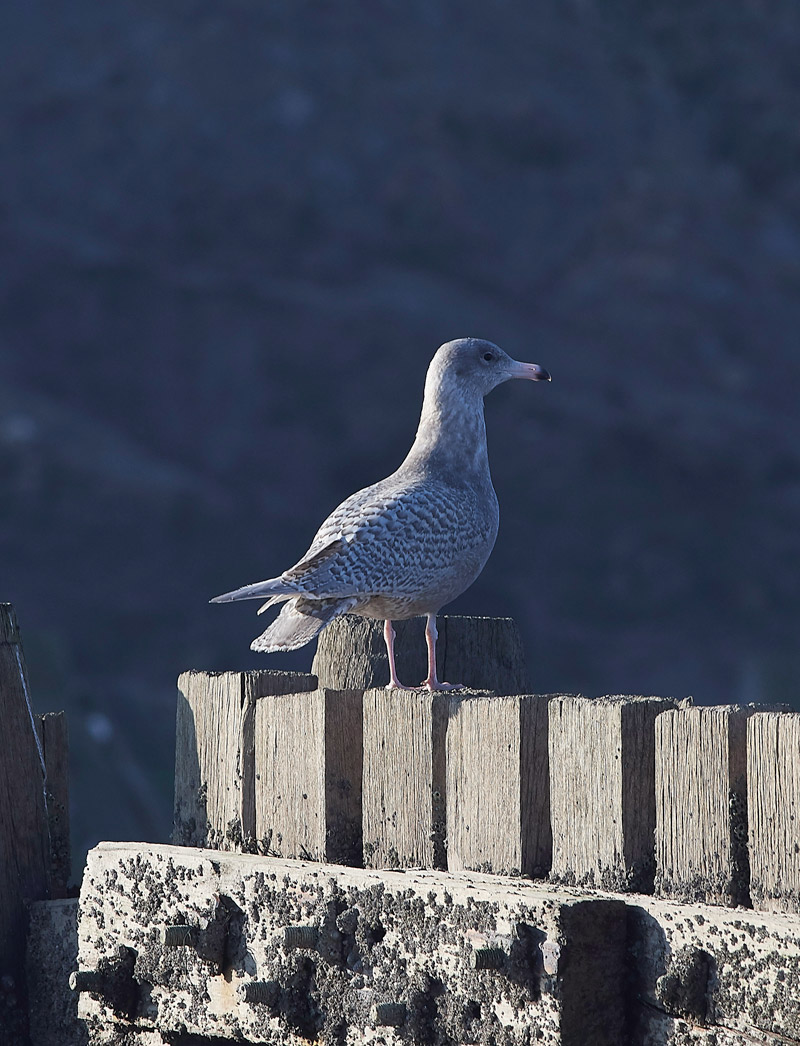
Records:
x=388, y=638
x=432, y=682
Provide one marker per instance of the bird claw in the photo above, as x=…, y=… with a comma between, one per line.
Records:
x=426, y=687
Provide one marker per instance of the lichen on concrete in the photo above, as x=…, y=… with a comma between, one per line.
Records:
x=405, y=938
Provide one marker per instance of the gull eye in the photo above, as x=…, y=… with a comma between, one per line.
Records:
x=488, y=356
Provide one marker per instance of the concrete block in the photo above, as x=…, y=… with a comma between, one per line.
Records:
x=335, y=954
x=705, y=974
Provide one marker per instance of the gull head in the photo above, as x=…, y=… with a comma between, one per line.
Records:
x=473, y=365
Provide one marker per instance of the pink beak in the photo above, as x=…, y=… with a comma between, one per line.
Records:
x=531, y=371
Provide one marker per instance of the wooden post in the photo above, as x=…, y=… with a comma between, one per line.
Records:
x=602, y=790
x=52, y=730
x=405, y=785
x=51, y=956
x=483, y=653
x=214, y=764
x=773, y=810
x=24, y=850
x=308, y=762
x=498, y=785
x=701, y=805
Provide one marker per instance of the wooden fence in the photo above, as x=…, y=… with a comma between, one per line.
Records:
x=645, y=821
x=622, y=793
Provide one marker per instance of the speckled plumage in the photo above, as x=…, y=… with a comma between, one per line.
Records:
x=411, y=543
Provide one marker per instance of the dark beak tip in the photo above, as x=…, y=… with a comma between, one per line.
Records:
x=545, y=375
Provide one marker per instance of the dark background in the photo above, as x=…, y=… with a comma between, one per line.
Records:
x=232, y=236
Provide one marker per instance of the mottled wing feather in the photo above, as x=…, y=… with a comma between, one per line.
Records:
x=345, y=517
x=397, y=543
x=313, y=560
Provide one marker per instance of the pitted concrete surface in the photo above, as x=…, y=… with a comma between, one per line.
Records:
x=414, y=939
x=195, y=947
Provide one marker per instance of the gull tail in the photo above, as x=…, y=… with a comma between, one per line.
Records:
x=299, y=622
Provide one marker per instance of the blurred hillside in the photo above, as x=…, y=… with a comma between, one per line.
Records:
x=230, y=241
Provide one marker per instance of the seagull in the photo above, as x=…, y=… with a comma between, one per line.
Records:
x=406, y=546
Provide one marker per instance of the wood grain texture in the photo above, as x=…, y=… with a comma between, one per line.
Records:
x=9, y=626
x=344, y=769
x=405, y=786
x=498, y=785
x=773, y=810
x=602, y=790
x=24, y=847
x=308, y=775
x=701, y=805
x=52, y=730
x=214, y=755
x=483, y=653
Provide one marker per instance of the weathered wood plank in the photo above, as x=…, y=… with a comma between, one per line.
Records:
x=773, y=810
x=701, y=804
x=308, y=762
x=208, y=756
x=214, y=760
x=483, y=653
x=602, y=790
x=498, y=785
x=405, y=780
x=24, y=849
x=54, y=739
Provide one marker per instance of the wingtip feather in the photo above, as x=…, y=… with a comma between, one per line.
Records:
x=274, y=587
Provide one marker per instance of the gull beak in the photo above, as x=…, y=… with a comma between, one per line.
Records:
x=531, y=371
